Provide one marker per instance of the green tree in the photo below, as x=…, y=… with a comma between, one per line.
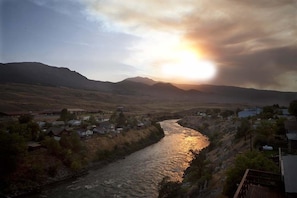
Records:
x=267, y=130
x=33, y=129
x=169, y=189
x=268, y=112
x=293, y=107
x=249, y=160
x=227, y=113
x=65, y=115
x=280, y=126
x=244, y=129
x=12, y=150
x=52, y=146
x=92, y=120
x=121, y=120
x=26, y=118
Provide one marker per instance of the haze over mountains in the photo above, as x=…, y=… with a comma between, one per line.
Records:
x=138, y=87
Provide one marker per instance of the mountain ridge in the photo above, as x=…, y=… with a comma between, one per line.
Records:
x=41, y=74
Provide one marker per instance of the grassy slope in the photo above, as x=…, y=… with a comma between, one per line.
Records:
x=22, y=97
x=126, y=142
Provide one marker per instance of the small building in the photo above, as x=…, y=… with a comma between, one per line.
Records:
x=291, y=134
x=32, y=146
x=57, y=132
x=104, y=127
x=74, y=123
x=83, y=133
x=58, y=123
x=249, y=112
x=89, y=132
x=285, y=112
x=289, y=175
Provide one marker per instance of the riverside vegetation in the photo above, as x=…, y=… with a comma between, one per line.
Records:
x=24, y=171
x=234, y=147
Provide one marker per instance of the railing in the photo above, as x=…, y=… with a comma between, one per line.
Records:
x=256, y=177
x=243, y=186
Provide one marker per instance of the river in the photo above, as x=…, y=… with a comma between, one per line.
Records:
x=138, y=174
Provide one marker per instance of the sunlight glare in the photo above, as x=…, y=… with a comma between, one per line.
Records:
x=189, y=66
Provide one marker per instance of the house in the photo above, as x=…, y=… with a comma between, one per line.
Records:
x=57, y=132
x=249, y=112
x=86, y=118
x=285, y=112
x=58, y=123
x=291, y=133
x=74, y=122
x=104, y=127
x=32, y=146
x=119, y=129
x=89, y=132
x=41, y=124
x=140, y=125
x=83, y=133
x=76, y=111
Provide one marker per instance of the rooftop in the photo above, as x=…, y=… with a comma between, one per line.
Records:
x=289, y=166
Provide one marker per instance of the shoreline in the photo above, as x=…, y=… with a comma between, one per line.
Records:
x=219, y=155
x=154, y=137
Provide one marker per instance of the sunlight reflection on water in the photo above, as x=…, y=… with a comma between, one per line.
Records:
x=138, y=174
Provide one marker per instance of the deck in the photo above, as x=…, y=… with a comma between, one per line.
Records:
x=260, y=184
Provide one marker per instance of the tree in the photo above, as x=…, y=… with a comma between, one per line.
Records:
x=24, y=119
x=243, y=129
x=65, y=115
x=280, y=126
x=169, y=189
x=92, y=120
x=121, y=121
x=293, y=107
x=249, y=160
x=266, y=128
x=12, y=149
x=268, y=112
x=52, y=146
x=227, y=113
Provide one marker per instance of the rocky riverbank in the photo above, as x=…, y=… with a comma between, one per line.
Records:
x=219, y=155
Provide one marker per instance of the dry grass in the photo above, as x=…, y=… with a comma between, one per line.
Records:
x=22, y=97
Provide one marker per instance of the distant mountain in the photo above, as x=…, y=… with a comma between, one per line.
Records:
x=143, y=80
x=138, y=87
x=41, y=74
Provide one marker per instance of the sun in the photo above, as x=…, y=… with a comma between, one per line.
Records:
x=188, y=66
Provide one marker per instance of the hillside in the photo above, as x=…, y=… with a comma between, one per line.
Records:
x=29, y=86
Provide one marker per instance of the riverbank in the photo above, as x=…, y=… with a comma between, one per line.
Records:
x=97, y=152
x=219, y=155
x=121, y=145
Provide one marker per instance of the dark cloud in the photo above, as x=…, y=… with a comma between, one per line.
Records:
x=264, y=68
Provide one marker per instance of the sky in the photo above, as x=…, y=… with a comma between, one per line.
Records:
x=247, y=43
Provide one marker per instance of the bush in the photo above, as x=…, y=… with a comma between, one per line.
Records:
x=169, y=189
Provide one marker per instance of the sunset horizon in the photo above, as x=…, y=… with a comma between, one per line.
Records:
x=191, y=42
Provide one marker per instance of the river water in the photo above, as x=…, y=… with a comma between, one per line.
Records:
x=138, y=174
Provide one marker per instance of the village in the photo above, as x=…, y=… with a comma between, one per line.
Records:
x=69, y=139
x=56, y=123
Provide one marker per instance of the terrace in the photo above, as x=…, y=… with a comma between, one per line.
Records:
x=260, y=184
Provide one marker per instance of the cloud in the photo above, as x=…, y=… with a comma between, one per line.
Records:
x=252, y=42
